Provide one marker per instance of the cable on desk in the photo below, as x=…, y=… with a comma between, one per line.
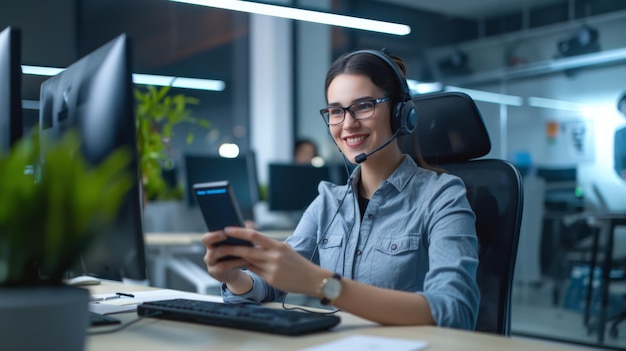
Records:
x=302, y=309
x=123, y=326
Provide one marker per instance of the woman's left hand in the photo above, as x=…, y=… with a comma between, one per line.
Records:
x=276, y=262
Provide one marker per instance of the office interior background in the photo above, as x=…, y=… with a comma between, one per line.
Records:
x=546, y=75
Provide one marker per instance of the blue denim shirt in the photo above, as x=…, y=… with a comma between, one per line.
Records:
x=417, y=235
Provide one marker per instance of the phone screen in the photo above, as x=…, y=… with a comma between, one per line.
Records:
x=219, y=208
x=218, y=205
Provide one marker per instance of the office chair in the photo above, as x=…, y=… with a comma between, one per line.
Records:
x=451, y=135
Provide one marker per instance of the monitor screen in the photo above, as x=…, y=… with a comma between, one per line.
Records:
x=10, y=88
x=94, y=96
x=239, y=171
x=292, y=187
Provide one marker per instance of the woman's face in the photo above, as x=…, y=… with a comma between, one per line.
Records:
x=358, y=136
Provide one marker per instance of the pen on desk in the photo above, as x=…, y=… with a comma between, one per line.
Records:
x=96, y=299
x=119, y=294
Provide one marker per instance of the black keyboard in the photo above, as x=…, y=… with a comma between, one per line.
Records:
x=240, y=316
x=97, y=319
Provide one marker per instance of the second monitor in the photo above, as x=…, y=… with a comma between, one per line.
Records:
x=292, y=187
x=239, y=171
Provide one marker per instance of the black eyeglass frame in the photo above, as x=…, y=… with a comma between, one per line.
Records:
x=325, y=110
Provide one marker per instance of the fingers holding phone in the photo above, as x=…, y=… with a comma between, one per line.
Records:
x=222, y=270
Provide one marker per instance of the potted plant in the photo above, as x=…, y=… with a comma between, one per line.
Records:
x=157, y=113
x=46, y=220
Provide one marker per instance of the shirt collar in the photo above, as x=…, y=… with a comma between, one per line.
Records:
x=399, y=178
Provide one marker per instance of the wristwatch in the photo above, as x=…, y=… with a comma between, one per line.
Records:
x=331, y=289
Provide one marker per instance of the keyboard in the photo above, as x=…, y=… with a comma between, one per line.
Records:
x=97, y=319
x=240, y=316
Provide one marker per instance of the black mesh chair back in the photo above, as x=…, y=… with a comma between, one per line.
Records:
x=451, y=134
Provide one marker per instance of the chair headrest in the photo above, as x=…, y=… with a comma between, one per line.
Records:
x=449, y=129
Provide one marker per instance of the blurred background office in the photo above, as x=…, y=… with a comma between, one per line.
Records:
x=546, y=75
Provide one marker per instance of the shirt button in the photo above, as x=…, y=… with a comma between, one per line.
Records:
x=325, y=241
x=393, y=247
x=370, y=216
x=358, y=252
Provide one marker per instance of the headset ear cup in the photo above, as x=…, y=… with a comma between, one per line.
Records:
x=404, y=118
x=408, y=117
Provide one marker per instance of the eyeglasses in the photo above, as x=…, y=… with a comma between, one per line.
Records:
x=359, y=110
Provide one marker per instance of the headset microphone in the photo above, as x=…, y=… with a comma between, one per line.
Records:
x=360, y=158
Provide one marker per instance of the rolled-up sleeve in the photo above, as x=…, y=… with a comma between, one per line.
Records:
x=450, y=284
x=260, y=292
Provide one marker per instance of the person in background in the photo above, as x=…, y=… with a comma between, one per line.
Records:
x=304, y=151
x=619, y=142
x=396, y=245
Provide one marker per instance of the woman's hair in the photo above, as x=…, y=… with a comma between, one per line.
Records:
x=371, y=66
x=382, y=75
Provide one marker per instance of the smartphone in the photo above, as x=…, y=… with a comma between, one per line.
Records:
x=219, y=208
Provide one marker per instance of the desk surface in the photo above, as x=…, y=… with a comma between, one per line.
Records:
x=156, y=334
x=171, y=239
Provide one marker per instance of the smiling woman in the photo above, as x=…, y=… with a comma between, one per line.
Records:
x=342, y=250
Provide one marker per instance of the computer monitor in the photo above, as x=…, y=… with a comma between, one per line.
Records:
x=10, y=88
x=94, y=96
x=562, y=189
x=240, y=171
x=292, y=187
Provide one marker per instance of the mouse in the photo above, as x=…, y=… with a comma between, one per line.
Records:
x=82, y=280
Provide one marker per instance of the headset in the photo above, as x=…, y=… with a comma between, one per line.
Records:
x=404, y=114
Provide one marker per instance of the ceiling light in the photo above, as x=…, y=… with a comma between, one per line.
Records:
x=228, y=150
x=304, y=15
x=144, y=79
x=179, y=82
x=41, y=71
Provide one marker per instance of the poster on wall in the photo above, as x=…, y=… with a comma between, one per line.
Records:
x=569, y=142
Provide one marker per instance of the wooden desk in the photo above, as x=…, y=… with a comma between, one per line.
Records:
x=155, y=334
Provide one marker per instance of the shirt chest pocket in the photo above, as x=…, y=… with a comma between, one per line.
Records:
x=330, y=250
x=396, y=263
x=398, y=245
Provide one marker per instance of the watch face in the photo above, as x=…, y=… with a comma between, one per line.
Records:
x=332, y=289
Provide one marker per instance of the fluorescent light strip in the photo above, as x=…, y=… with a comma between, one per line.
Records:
x=556, y=104
x=41, y=71
x=423, y=88
x=144, y=79
x=179, y=82
x=304, y=15
x=486, y=96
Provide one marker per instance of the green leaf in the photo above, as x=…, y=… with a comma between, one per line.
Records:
x=158, y=113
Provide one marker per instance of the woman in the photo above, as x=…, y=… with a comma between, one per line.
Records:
x=304, y=151
x=396, y=245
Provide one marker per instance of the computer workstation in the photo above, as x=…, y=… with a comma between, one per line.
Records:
x=94, y=96
x=162, y=334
